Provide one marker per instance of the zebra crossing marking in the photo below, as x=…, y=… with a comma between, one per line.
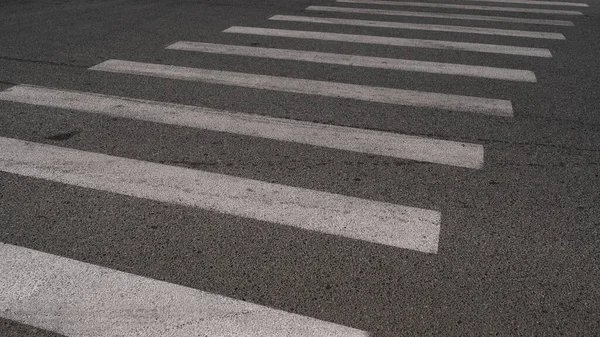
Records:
x=75, y=298
x=467, y=7
x=394, y=41
x=534, y=2
x=420, y=26
x=324, y=135
x=360, y=219
x=360, y=61
x=451, y=16
x=487, y=106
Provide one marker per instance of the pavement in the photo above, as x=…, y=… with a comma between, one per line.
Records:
x=510, y=247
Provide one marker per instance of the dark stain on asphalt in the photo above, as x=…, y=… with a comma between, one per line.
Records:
x=64, y=135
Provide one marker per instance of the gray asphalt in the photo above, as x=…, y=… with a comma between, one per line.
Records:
x=519, y=250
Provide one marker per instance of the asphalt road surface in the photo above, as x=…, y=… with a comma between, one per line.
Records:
x=299, y=168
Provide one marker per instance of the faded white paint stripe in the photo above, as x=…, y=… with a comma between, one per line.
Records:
x=310, y=87
x=74, y=298
x=440, y=15
x=539, y=3
x=419, y=26
x=360, y=219
x=331, y=136
x=394, y=41
x=360, y=61
x=467, y=7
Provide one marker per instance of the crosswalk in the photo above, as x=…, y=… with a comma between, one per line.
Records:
x=467, y=17
x=393, y=41
x=181, y=311
x=467, y=7
x=419, y=26
x=336, y=137
x=310, y=87
x=360, y=61
x=35, y=281
x=537, y=2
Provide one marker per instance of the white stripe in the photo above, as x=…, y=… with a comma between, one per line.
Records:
x=418, y=26
x=534, y=2
x=360, y=219
x=336, y=137
x=310, y=87
x=467, y=7
x=74, y=298
x=394, y=41
x=360, y=61
x=440, y=15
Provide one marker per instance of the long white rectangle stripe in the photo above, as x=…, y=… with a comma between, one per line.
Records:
x=360, y=219
x=360, y=61
x=419, y=26
x=331, y=136
x=440, y=15
x=467, y=7
x=538, y=3
x=75, y=298
x=487, y=106
x=394, y=41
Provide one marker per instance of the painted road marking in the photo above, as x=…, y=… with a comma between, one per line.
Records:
x=360, y=219
x=75, y=298
x=394, y=41
x=534, y=2
x=487, y=106
x=467, y=7
x=360, y=61
x=419, y=26
x=440, y=15
x=331, y=136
